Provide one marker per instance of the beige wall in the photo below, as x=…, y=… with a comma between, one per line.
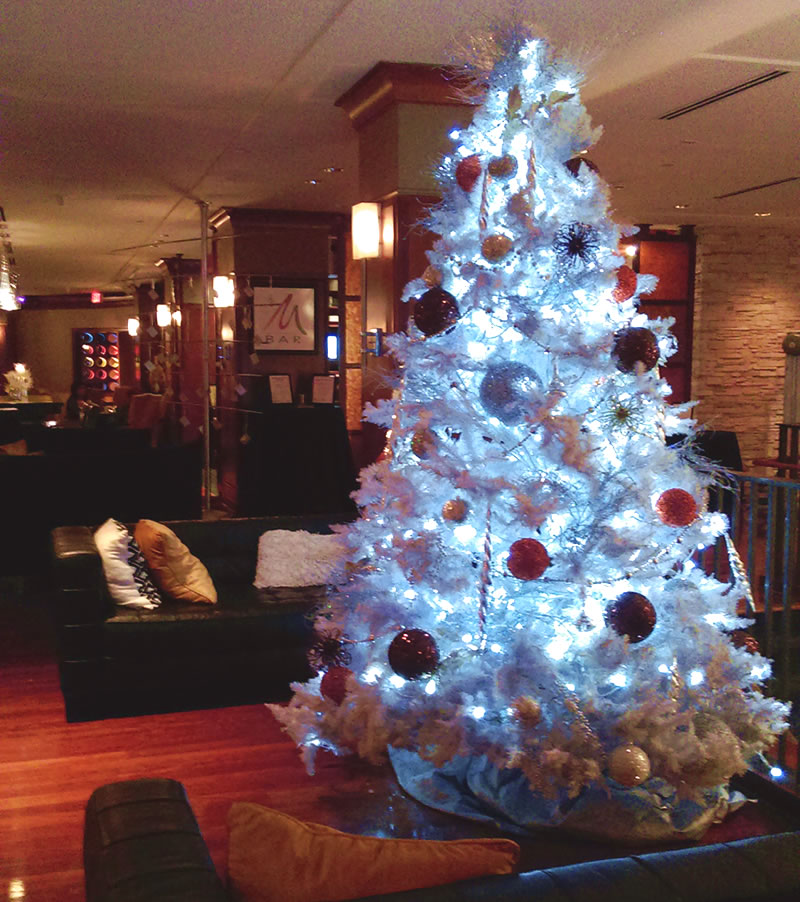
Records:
x=43, y=340
x=747, y=297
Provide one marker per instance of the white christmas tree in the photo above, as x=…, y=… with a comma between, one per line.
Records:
x=523, y=610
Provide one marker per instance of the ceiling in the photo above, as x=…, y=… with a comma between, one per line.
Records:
x=116, y=118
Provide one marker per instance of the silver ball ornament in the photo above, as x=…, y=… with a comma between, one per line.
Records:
x=509, y=390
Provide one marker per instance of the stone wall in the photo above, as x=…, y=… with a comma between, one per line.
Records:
x=747, y=297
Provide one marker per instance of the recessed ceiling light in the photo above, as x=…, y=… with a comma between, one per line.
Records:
x=312, y=181
x=618, y=187
x=681, y=206
x=762, y=214
x=332, y=170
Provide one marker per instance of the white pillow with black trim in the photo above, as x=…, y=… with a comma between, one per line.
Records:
x=125, y=568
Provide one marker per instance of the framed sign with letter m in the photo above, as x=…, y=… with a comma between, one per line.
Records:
x=284, y=317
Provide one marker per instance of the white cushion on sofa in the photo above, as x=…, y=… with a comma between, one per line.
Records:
x=124, y=566
x=289, y=557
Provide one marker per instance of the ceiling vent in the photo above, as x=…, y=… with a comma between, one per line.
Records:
x=728, y=92
x=792, y=178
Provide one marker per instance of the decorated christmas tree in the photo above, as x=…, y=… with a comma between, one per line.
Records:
x=524, y=630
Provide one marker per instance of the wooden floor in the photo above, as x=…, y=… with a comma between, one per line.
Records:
x=48, y=768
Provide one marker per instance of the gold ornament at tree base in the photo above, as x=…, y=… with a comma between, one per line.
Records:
x=628, y=765
x=495, y=247
x=455, y=510
x=527, y=710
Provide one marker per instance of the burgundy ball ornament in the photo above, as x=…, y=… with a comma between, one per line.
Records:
x=635, y=345
x=676, y=507
x=413, y=653
x=508, y=391
x=435, y=311
x=333, y=685
x=631, y=615
x=528, y=559
x=468, y=172
x=626, y=284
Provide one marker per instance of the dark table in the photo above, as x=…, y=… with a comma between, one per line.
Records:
x=298, y=461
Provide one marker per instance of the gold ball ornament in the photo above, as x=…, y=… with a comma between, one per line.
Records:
x=495, y=247
x=504, y=167
x=432, y=277
x=422, y=443
x=628, y=765
x=455, y=510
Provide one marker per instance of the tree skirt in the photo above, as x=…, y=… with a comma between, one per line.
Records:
x=474, y=788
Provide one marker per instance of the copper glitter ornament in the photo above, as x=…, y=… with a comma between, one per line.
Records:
x=455, y=510
x=676, y=507
x=504, y=167
x=495, y=247
x=528, y=559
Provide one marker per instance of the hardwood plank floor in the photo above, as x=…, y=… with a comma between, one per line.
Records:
x=48, y=768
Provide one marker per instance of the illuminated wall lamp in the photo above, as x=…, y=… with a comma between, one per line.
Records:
x=366, y=231
x=133, y=326
x=163, y=316
x=224, y=291
x=177, y=317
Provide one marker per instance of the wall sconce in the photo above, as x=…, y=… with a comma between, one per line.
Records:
x=366, y=231
x=224, y=291
x=163, y=316
x=387, y=230
x=133, y=326
x=177, y=317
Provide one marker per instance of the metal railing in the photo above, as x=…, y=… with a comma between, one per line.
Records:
x=764, y=519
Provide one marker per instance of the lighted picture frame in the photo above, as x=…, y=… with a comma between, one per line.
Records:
x=323, y=390
x=284, y=317
x=280, y=389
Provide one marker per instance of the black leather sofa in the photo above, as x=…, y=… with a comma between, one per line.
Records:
x=142, y=844
x=117, y=661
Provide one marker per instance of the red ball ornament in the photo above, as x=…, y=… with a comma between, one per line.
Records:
x=468, y=172
x=626, y=284
x=528, y=559
x=413, y=653
x=676, y=507
x=635, y=345
x=631, y=615
x=333, y=685
x=435, y=311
